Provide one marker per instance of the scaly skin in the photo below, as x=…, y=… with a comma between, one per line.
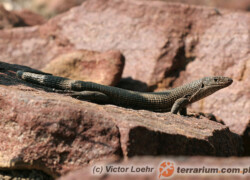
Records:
x=173, y=100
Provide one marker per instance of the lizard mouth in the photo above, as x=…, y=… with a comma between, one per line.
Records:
x=226, y=82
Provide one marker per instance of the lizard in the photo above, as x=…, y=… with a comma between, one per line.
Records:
x=174, y=100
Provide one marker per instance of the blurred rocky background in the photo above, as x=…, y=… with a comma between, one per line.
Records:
x=46, y=8
x=49, y=8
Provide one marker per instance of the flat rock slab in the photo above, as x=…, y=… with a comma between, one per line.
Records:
x=147, y=133
x=155, y=162
x=52, y=134
x=57, y=134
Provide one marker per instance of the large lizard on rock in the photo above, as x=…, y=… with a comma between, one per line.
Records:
x=174, y=100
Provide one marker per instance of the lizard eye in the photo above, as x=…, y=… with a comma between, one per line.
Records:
x=215, y=79
x=202, y=85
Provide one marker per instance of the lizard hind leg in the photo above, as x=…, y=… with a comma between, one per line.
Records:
x=92, y=96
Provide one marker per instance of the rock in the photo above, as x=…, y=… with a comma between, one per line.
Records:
x=57, y=134
x=45, y=46
x=144, y=133
x=162, y=54
x=52, y=7
x=232, y=4
x=148, y=162
x=149, y=37
x=47, y=8
x=103, y=68
x=224, y=53
x=8, y=19
x=51, y=134
x=30, y=18
x=32, y=46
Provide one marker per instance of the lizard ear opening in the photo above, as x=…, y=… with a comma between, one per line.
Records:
x=202, y=85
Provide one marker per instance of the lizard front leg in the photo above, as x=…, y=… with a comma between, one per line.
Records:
x=180, y=106
x=181, y=103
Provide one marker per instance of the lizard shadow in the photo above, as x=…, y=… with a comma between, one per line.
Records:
x=129, y=83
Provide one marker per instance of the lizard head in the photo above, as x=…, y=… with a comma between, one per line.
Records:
x=209, y=85
x=216, y=82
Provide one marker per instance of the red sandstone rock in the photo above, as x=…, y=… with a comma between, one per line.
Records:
x=53, y=7
x=59, y=6
x=8, y=19
x=231, y=4
x=223, y=52
x=50, y=134
x=148, y=37
x=103, y=68
x=30, y=18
